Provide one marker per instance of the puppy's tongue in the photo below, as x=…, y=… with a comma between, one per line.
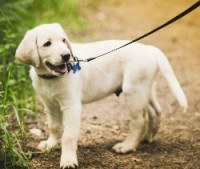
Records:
x=61, y=69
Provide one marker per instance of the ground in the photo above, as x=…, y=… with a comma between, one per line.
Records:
x=106, y=122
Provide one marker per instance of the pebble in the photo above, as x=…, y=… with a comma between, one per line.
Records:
x=36, y=131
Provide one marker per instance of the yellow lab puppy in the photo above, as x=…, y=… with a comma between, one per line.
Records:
x=131, y=70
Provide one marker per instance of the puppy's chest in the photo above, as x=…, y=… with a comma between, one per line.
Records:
x=47, y=88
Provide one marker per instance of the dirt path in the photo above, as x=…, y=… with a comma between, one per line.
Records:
x=106, y=122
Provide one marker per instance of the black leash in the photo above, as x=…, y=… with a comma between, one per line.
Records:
x=182, y=14
x=75, y=66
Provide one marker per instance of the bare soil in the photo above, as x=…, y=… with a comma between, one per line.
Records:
x=106, y=122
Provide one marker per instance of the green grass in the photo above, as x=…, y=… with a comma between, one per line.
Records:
x=17, y=98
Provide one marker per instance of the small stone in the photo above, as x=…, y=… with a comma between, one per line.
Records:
x=36, y=131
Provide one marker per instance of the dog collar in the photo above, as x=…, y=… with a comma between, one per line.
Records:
x=48, y=76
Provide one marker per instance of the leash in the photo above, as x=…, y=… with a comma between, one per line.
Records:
x=76, y=66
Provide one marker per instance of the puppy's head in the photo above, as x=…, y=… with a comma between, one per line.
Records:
x=47, y=48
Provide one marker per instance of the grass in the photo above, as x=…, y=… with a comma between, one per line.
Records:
x=17, y=99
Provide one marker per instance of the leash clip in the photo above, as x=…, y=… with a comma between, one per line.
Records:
x=75, y=65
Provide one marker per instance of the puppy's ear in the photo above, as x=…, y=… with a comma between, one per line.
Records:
x=27, y=50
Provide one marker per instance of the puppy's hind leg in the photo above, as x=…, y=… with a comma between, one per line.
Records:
x=153, y=124
x=136, y=99
x=154, y=113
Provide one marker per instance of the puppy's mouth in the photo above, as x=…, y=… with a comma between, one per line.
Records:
x=62, y=68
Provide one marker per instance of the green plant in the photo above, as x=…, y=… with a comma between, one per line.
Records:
x=16, y=93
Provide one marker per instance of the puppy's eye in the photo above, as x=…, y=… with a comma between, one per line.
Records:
x=64, y=40
x=48, y=43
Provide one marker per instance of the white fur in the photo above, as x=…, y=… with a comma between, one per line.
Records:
x=132, y=69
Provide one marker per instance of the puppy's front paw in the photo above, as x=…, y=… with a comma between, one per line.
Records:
x=46, y=145
x=123, y=147
x=68, y=160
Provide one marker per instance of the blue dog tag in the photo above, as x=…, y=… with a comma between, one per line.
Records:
x=76, y=67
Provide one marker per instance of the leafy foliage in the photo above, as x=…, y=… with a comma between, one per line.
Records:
x=17, y=16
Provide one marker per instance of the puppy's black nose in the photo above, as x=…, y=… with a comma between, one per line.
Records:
x=65, y=57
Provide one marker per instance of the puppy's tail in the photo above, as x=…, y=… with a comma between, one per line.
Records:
x=171, y=79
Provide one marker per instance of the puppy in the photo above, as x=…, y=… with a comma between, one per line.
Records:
x=131, y=70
